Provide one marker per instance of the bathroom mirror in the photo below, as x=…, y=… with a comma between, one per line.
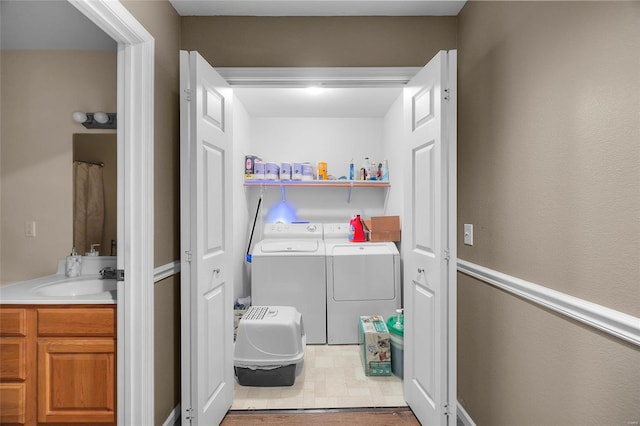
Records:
x=95, y=177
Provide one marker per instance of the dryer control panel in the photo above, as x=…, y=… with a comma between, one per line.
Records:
x=336, y=231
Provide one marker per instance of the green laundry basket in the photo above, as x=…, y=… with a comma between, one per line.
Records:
x=395, y=324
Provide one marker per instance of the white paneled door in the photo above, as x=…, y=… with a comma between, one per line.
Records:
x=206, y=283
x=429, y=242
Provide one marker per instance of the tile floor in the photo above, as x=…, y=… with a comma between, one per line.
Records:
x=332, y=377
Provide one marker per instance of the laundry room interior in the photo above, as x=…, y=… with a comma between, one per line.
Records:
x=342, y=127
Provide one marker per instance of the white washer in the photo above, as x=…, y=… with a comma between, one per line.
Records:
x=288, y=269
x=362, y=279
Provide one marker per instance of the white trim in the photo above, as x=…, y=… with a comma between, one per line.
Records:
x=135, y=206
x=174, y=417
x=327, y=76
x=450, y=80
x=165, y=271
x=464, y=417
x=616, y=323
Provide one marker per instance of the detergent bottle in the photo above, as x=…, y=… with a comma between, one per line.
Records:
x=356, y=230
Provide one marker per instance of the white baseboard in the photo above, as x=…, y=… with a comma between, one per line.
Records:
x=174, y=417
x=616, y=323
x=464, y=417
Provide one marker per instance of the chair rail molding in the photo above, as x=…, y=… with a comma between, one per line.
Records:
x=616, y=323
x=166, y=270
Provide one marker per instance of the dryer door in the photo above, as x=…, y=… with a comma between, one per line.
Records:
x=363, y=272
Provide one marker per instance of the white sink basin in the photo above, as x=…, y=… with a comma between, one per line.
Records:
x=77, y=287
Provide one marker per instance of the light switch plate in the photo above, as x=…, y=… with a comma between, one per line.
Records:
x=468, y=234
x=30, y=229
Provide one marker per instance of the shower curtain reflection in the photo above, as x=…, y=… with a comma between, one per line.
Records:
x=88, y=214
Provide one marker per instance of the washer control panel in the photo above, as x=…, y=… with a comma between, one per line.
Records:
x=293, y=230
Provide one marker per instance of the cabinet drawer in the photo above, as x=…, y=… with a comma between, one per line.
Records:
x=13, y=358
x=13, y=322
x=77, y=322
x=13, y=398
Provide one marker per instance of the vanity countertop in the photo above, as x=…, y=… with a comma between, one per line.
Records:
x=58, y=289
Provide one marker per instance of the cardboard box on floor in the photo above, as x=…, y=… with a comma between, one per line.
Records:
x=375, y=346
x=384, y=228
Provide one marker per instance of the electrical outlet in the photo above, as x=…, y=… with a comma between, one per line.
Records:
x=30, y=229
x=468, y=234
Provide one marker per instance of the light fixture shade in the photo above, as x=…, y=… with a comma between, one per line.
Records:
x=79, y=117
x=101, y=117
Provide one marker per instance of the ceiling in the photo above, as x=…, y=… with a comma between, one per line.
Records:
x=53, y=24
x=318, y=7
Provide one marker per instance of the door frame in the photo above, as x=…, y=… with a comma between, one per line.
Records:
x=452, y=233
x=135, y=81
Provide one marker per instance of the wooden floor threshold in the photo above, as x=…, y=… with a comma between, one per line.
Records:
x=387, y=416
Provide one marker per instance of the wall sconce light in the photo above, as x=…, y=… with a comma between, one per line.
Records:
x=96, y=120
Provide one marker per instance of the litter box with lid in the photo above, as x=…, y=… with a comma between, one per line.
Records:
x=269, y=348
x=395, y=324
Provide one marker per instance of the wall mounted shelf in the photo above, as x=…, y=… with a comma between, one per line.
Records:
x=348, y=184
x=320, y=183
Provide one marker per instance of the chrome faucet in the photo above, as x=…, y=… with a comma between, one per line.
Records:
x=108, y=273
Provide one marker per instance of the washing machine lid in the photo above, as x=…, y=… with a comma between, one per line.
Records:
x=356, y=249
x=289, y=246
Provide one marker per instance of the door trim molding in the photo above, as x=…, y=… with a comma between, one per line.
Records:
x=616, y=323
x=135, y=82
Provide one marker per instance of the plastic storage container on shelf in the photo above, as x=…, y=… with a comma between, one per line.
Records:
x=395, y=324
x=269, y=348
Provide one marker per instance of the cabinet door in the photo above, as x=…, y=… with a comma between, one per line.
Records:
x=76, y=380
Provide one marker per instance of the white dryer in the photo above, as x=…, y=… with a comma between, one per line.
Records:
x=288, y=269
x=362, y=279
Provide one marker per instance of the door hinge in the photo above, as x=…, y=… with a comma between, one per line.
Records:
x=446, y=410
x=447, y=255
x=187, y=95
x=119, y=274
x=188, y=255
x=446, y=94
x=189, y=414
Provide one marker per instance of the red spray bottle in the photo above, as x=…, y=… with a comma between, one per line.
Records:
x=356, y=230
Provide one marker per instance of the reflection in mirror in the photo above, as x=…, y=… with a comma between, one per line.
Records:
x=95, y=176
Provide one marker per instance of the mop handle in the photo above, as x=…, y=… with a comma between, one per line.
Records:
x=253, y=228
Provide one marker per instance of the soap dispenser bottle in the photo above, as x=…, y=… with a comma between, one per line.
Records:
x=73, y=265
x=93, y=251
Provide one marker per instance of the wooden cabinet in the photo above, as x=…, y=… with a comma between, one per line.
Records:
x=58, y=364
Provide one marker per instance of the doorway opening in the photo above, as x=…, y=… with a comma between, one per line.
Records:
x=335, y=125
x=217, y=131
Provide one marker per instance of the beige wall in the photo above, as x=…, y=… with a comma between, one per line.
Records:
x=40, y=91
x=162, y=21
x=549, y=174
x=227, y=41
